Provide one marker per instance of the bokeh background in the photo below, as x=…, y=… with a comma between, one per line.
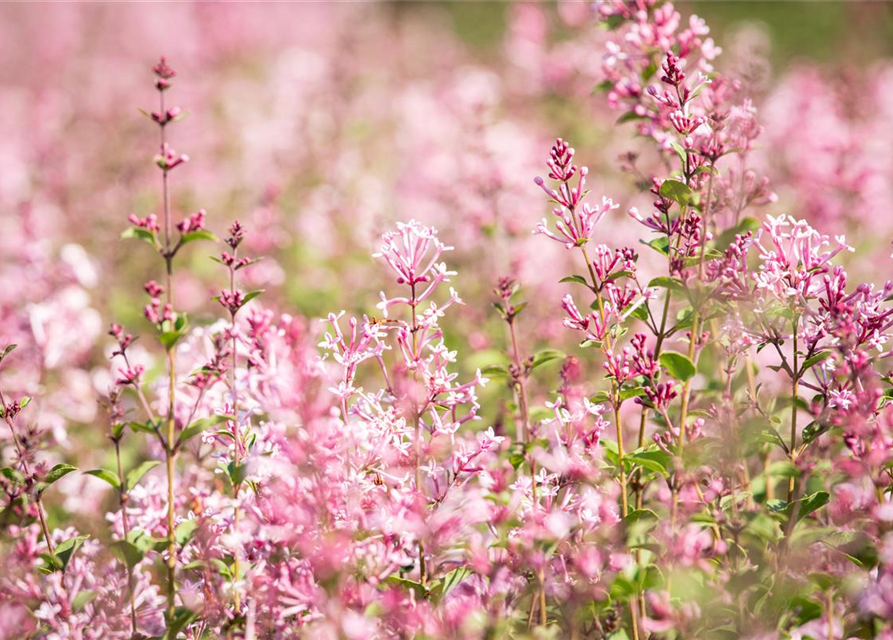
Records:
x=319, y=125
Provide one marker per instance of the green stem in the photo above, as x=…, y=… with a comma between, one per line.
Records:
x=615, y=401
x=20, y=451
x=170, y=450
x=423, y=574
x=795, y=388
x=122, y=497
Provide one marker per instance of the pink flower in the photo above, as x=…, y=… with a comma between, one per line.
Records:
x=150, y=222
x=130, y=375
x=195, y=222
x=169, y=159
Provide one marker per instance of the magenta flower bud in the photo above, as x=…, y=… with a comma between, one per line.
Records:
x=153, y=289
x=195, y=222
x=150, y=222
x=169, y=158
x=130, y=375
x=163, y=70
x=232, y=300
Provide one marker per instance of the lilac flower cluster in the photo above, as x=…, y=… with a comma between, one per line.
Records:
x=709, y=454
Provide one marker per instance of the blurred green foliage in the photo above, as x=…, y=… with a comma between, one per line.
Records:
x=821, y=30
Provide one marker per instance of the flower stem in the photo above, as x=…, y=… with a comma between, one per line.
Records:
x=615, y=395
x=170, y=450
x=795, y=389
x=519, y=387
x=20, y=451
x=423, y=575
x=122, y=498
x=615, y=401
x=237, y=441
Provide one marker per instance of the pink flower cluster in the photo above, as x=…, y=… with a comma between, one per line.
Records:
x=698, y=445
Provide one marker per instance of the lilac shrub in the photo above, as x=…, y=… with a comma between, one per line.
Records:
x=706, y=451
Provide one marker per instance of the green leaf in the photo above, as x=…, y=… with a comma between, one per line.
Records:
x=141, y=234
x=12, y=475
x=650, y=462
x=676, y=191
x=770, y=434
x=805, y=610
x=603, y=87
x=82, y=599
x=59, y=471
x=631, y=392
x=810, y=503
x=640, y=312
x=7, y=351
x=251, y=295
x=145, y=427
x=127, y=552
x=182, y=617
x=814, y=360
x=517, y=458
x=24, y=402
x=813, y=430
x=547, y=355
x=203, y=424
x=575, y=278
x=651, y=578
x=136, y=474
x=764, y=527
x=709, y=254
x=184, y=531
x=649, y=71
x=678, y=365
x=629, y=116
x=67, y=548
x=623, y=587
x=50, y=564
x=105, y=474
x=169, y=339
x=452, y=580
x=144, y=542
x=495, y=370
x=640, y=514
x=666, y=282
x=660, y=244
x=614, y=21
x=201, y=234
x=618, y=274
x=728, y=236
x=680, y=151
x=823, y=581
x=417, y=587
x=236, y=473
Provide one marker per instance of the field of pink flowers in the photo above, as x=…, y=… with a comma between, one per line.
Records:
x=319, y=321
